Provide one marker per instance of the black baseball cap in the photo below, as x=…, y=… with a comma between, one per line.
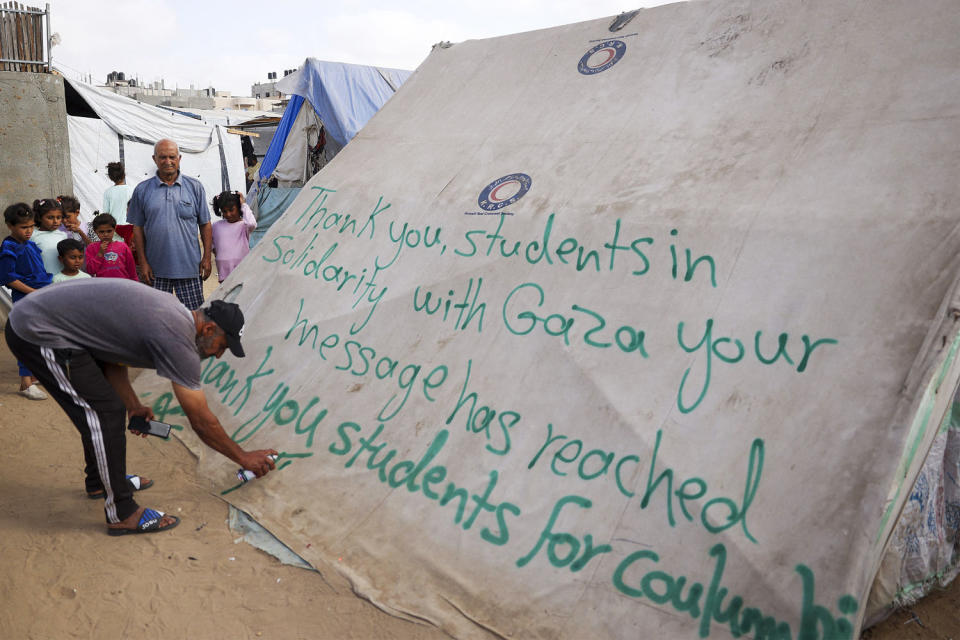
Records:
x=228, y=317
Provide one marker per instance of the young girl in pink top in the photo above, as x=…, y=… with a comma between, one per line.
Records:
x=231, y=236
x=107, y=258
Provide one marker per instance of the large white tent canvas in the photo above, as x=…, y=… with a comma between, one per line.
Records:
x=126, y=130
x=600, y=332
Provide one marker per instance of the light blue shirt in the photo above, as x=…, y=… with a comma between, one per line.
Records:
x=171, y=216
x=115, y=201
x=48, y=241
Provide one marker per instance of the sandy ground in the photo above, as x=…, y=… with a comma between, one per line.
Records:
x=62, y=577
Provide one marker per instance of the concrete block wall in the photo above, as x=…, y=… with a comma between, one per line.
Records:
x=34, y=148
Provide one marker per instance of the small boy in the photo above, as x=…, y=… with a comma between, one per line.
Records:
x=71, y=257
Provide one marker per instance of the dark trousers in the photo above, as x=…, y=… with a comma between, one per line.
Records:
x=76, y=381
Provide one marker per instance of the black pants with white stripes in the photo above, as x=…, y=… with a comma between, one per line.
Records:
x=76, y=381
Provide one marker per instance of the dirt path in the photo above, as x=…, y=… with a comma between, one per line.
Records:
x=62, y=577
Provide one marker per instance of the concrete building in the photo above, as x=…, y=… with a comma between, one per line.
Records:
x=241, y=103
x=268, y=89
x=157, y=94
x=33, y=137
x=265, y=90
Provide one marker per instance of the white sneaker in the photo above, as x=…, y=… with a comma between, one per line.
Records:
x=33, y=392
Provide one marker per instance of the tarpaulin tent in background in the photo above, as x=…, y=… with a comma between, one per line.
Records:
x=261, y=129
x=343, y=98
x=225, y=117
x=105, y=127
x=633, y=328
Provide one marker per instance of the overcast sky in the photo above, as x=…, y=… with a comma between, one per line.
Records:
x=231, y=45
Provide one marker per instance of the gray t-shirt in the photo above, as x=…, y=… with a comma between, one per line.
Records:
x=117, y=321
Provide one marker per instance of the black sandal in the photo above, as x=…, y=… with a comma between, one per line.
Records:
x=149, y=523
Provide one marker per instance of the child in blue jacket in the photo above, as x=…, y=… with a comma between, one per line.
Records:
x=21, y=269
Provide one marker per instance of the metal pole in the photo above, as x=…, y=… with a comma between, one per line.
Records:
x=49, y=45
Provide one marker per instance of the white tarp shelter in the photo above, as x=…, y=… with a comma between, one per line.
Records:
x=225, y=117
x=117, y=128
x=633, y=329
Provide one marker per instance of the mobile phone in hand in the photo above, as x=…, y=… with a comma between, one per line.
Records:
x=150, y=427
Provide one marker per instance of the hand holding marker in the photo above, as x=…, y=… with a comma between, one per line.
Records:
x=243, y=475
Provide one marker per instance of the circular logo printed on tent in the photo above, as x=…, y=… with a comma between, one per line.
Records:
x=504, y=191
x=602, y=57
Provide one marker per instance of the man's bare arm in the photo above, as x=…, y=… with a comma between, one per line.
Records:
x=119, y=378
x=139, y=241
x=206, y=239
x=210, y=431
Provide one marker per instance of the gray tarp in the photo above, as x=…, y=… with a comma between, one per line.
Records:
x=616, y=335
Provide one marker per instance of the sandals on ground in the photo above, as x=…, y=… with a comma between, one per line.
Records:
x=149, y=523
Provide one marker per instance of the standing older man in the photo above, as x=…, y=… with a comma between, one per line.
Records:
x=166, y=211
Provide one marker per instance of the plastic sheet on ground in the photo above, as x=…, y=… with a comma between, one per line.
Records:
x=255, y=535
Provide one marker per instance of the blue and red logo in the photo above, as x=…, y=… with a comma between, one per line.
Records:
x=602, y=57
x=504, y=191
